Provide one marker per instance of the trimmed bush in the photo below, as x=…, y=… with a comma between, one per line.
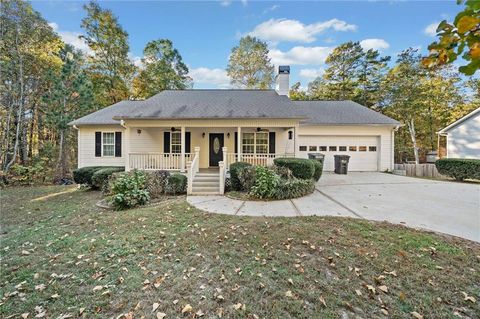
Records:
x=156, y=183
x=177, y=184
x=283, y=172
x=293, y=188
x=84, y=175
x=235, y=182
x=459, y=168
x=300, y=167
x=128, y=190
x=100, y=177
x=265, y=184
x=318, y=170
x=246, y=176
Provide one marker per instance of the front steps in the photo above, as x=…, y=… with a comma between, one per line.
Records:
x=206, y=183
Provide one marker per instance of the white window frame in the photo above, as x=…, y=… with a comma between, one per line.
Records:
x=179, y=144
x=108, y=132
x=255, y=142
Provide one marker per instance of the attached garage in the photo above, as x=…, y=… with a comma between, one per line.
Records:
x=363, y=150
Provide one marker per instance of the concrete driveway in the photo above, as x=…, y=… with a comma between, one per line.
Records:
x=447, y=207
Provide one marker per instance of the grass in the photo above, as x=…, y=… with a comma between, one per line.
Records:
x=62, y=255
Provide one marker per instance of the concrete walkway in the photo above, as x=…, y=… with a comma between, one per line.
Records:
x=447, y=207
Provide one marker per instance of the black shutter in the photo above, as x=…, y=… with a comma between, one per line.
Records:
x=188, y=141
x=98, y=144
x=271, y=142
x=236, y=142
x=118, y=144
x=166, y=142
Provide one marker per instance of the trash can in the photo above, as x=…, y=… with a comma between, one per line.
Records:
x=341, y=164
x=316, y=156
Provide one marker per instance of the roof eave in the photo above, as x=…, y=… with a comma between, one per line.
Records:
x=459, y=121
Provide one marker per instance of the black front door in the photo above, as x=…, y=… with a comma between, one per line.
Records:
x=216, y=144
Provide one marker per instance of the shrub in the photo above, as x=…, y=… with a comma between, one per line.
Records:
x=283, y=171
x=318, y=169
x=177, y=184
x=265, y=183
x=293, y=188
x=100, y=177
x=235, y=182
x=27, y=175
x=459, y=168
x=84, y=175
x=300, y=167
x=156, y=183
x=246, y=176
x=128, y=190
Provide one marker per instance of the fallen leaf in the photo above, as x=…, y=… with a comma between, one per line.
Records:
x=358, y=292
x=290, y=281
x=25, y=252
x=161, y=315
x=322, y=301
x=383, y=288
x=468, y=298
x=384, y=311
x=55, y=296
x=237, y=306
x=371, y=289
x=289, y=294
x=155, y=306
x=199, y=313
x=81, y=311
x=187, y=309
x=25, y=315
x=416, y=315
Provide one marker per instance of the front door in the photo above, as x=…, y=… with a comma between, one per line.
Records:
x=216, y=144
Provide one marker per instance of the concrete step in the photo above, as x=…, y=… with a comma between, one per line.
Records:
x=197, y=183
x=206, y=179
x=205, y=189
x=205, y=193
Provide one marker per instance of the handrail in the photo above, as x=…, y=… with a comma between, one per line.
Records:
x=192, y=169
x=156, y=161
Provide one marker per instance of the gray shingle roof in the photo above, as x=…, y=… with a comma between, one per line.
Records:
x=192, y=104
x=105, y=115
x=340, y=112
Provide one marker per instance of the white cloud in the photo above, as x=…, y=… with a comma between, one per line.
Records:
x=375, y=44
x=217, y=77
x=300, y=55
x=311, y=74
x=71, y=38
x=272, y=8
x=276, y=30
x=431, y=29
x=225, y=3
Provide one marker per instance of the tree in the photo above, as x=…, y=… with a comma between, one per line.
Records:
x=29, y=47
x=341, y=74
x=403, y=93
x=163, y=69
x=460, y=38
x=111, y=69
x=249, y=65
x=372, y=70
x=69, y=97
x=297, y=94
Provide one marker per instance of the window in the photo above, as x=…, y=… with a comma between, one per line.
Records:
x=372, y=148
x=362, y=148
x=290, y=135
x=352, y=148
x=302, y=148
x=322, y=148
x=342, y=148
x=332, y=148
x=312, y=148
x=255, y=143
x=108, y=144
x=176, y=142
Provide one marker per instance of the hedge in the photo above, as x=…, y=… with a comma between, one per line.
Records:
x=300, y=167
x=318, y=169
x=101, y=176
x=293, y=188
x=459, y=168
x=84, y=175
x=177, y=184
x=234, y=181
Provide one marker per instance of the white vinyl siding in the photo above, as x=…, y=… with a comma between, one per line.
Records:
x=463, y=140
x=86, y=146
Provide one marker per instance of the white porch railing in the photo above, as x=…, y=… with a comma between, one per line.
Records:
x=192, y=169
x=255, y=159
x=157, y=161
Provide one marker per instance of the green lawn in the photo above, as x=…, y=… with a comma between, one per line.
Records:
x=62, y=255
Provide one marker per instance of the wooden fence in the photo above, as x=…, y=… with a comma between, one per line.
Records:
x=418, y=170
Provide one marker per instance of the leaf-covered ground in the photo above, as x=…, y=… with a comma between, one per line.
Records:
x=62, y=256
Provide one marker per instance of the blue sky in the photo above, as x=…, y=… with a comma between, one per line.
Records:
x=300, y=34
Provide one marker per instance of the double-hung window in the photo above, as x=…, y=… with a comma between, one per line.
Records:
x=108, y=144
x=255, y=143
x=176, y=142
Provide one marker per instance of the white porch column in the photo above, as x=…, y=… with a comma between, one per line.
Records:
x=127, y=149
x=239, y=144
x=182, y=159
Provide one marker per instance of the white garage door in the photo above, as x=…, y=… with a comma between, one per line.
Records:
x=363, y=150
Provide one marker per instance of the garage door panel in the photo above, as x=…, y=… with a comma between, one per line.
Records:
x=363, y=150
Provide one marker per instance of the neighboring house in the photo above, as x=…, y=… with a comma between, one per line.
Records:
x=463, y=136
x=178, y=129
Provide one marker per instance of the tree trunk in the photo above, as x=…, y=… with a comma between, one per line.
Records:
x=62, y=169
x=411, y=129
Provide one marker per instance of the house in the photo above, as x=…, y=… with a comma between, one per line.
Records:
x=191, y=130
x=463, y=136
